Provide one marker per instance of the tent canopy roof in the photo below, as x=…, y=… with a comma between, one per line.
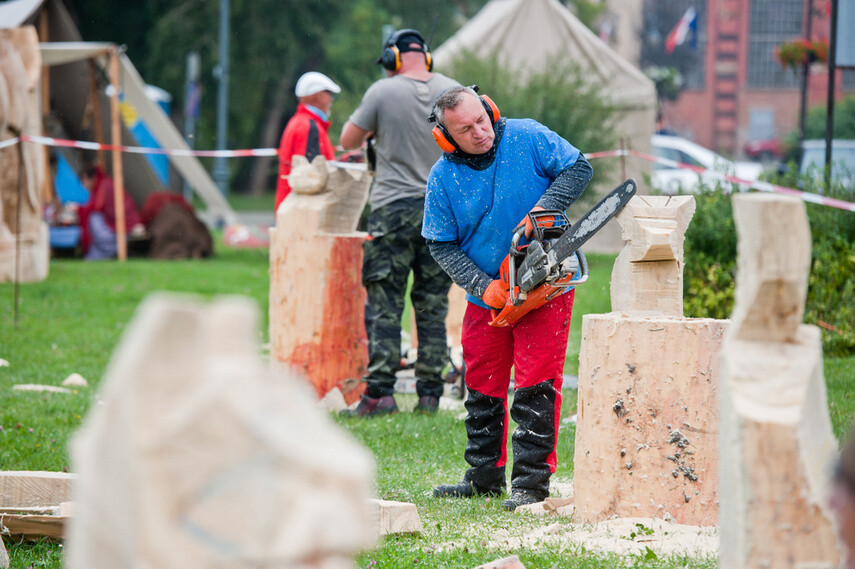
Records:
x=525, y=34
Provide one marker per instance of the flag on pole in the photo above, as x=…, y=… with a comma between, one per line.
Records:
x=688, y=25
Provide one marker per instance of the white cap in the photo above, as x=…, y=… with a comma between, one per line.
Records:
x=314, y=82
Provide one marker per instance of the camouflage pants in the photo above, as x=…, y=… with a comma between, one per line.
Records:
x=396, y=249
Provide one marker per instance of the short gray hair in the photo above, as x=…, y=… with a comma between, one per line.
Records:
x=448, y=100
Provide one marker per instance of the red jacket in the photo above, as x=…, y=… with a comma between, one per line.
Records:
x=102, y=200
x=305, y=134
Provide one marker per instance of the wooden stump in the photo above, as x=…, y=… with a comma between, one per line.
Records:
x=317, y=301
x=647, y=422
x=777, y=446
x=199, y=456
x=647, y=419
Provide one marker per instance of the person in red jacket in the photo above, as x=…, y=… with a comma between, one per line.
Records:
x=306, y=132
x=98, y=215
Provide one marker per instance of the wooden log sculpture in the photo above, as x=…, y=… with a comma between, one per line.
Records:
x=647, y=419
x=648, y=273
x=317, y=301
x=198, y=455
x=777, y=445
x=24, y=241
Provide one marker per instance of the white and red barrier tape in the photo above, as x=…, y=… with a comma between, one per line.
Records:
x=757, y=185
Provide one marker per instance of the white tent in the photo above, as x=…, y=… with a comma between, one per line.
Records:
x=525, y=34
x=69, y=85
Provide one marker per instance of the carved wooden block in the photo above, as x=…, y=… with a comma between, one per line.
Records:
x=317, y=301
x=395, y=517
x=26, y=489
x=777, y=445
x=199, y=456
x=647, y=419
x=648, y=273
x=21, y=166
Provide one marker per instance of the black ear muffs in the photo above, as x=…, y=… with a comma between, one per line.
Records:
x=391, y=57
x=444, y=139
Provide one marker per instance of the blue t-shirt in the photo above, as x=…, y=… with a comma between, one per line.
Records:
x=480, y=209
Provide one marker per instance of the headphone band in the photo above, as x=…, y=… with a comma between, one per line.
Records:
x=391, y=57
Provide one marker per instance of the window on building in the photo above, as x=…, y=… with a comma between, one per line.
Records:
x=772, y=22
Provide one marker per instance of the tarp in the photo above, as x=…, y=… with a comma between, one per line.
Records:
x=525, y=34
x=69, y=86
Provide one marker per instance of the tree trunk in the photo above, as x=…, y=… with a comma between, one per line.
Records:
x=259, y=177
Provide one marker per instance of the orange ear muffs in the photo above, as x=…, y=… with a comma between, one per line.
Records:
x=491, y=108
x=443, y=139
x=428, y=60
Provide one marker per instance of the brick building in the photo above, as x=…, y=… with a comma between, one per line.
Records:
x=735, y=89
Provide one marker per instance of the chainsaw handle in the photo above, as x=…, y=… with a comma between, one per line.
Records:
x=519, y=231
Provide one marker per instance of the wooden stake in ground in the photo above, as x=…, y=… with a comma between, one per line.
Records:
x=4, y=557
x=317, y=302
x=647, y=420
x=118, y=175
x=197, y=455
x=777, y=445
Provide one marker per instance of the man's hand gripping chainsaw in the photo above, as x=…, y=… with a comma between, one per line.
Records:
x=536, y=273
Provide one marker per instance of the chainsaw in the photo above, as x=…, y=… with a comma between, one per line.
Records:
x=539, y=271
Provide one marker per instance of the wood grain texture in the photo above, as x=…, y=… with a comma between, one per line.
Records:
x=647, y=419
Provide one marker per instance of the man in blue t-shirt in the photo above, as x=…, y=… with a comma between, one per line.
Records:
x=493, y=172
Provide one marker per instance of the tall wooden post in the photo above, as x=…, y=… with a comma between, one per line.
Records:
x=44, y=36
x=95, y=103
x=118, y=178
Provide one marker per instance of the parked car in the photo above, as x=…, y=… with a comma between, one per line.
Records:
x=842, y=160
x=766, y=150
x=672, y=180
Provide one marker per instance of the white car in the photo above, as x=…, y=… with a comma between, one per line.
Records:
x=842, y=160
x=670, y=179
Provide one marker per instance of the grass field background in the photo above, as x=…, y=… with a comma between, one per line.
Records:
x=71, y=322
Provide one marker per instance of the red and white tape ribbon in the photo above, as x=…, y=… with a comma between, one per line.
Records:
x=757, y=185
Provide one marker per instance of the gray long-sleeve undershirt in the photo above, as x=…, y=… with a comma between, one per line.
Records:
x=563, y=191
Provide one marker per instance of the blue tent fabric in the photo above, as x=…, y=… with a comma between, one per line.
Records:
x=67, y=184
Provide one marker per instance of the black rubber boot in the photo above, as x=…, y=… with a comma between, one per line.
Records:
x=519, y=498
x=372, y=407
x=485, y=431
x=427, y=405
x=533, y=441
x=461, y=490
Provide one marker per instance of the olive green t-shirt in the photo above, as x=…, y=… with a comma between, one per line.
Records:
x=396, y=110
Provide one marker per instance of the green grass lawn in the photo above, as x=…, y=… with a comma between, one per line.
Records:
x=71, y=322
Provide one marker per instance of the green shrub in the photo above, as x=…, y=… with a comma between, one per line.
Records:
x=710, y=265
x=710, y=257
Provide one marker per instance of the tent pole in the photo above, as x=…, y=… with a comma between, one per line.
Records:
x=95, y=101
x=44, y=36
x=118, y=179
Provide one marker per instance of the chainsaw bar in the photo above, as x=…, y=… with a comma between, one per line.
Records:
x=538, y=263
